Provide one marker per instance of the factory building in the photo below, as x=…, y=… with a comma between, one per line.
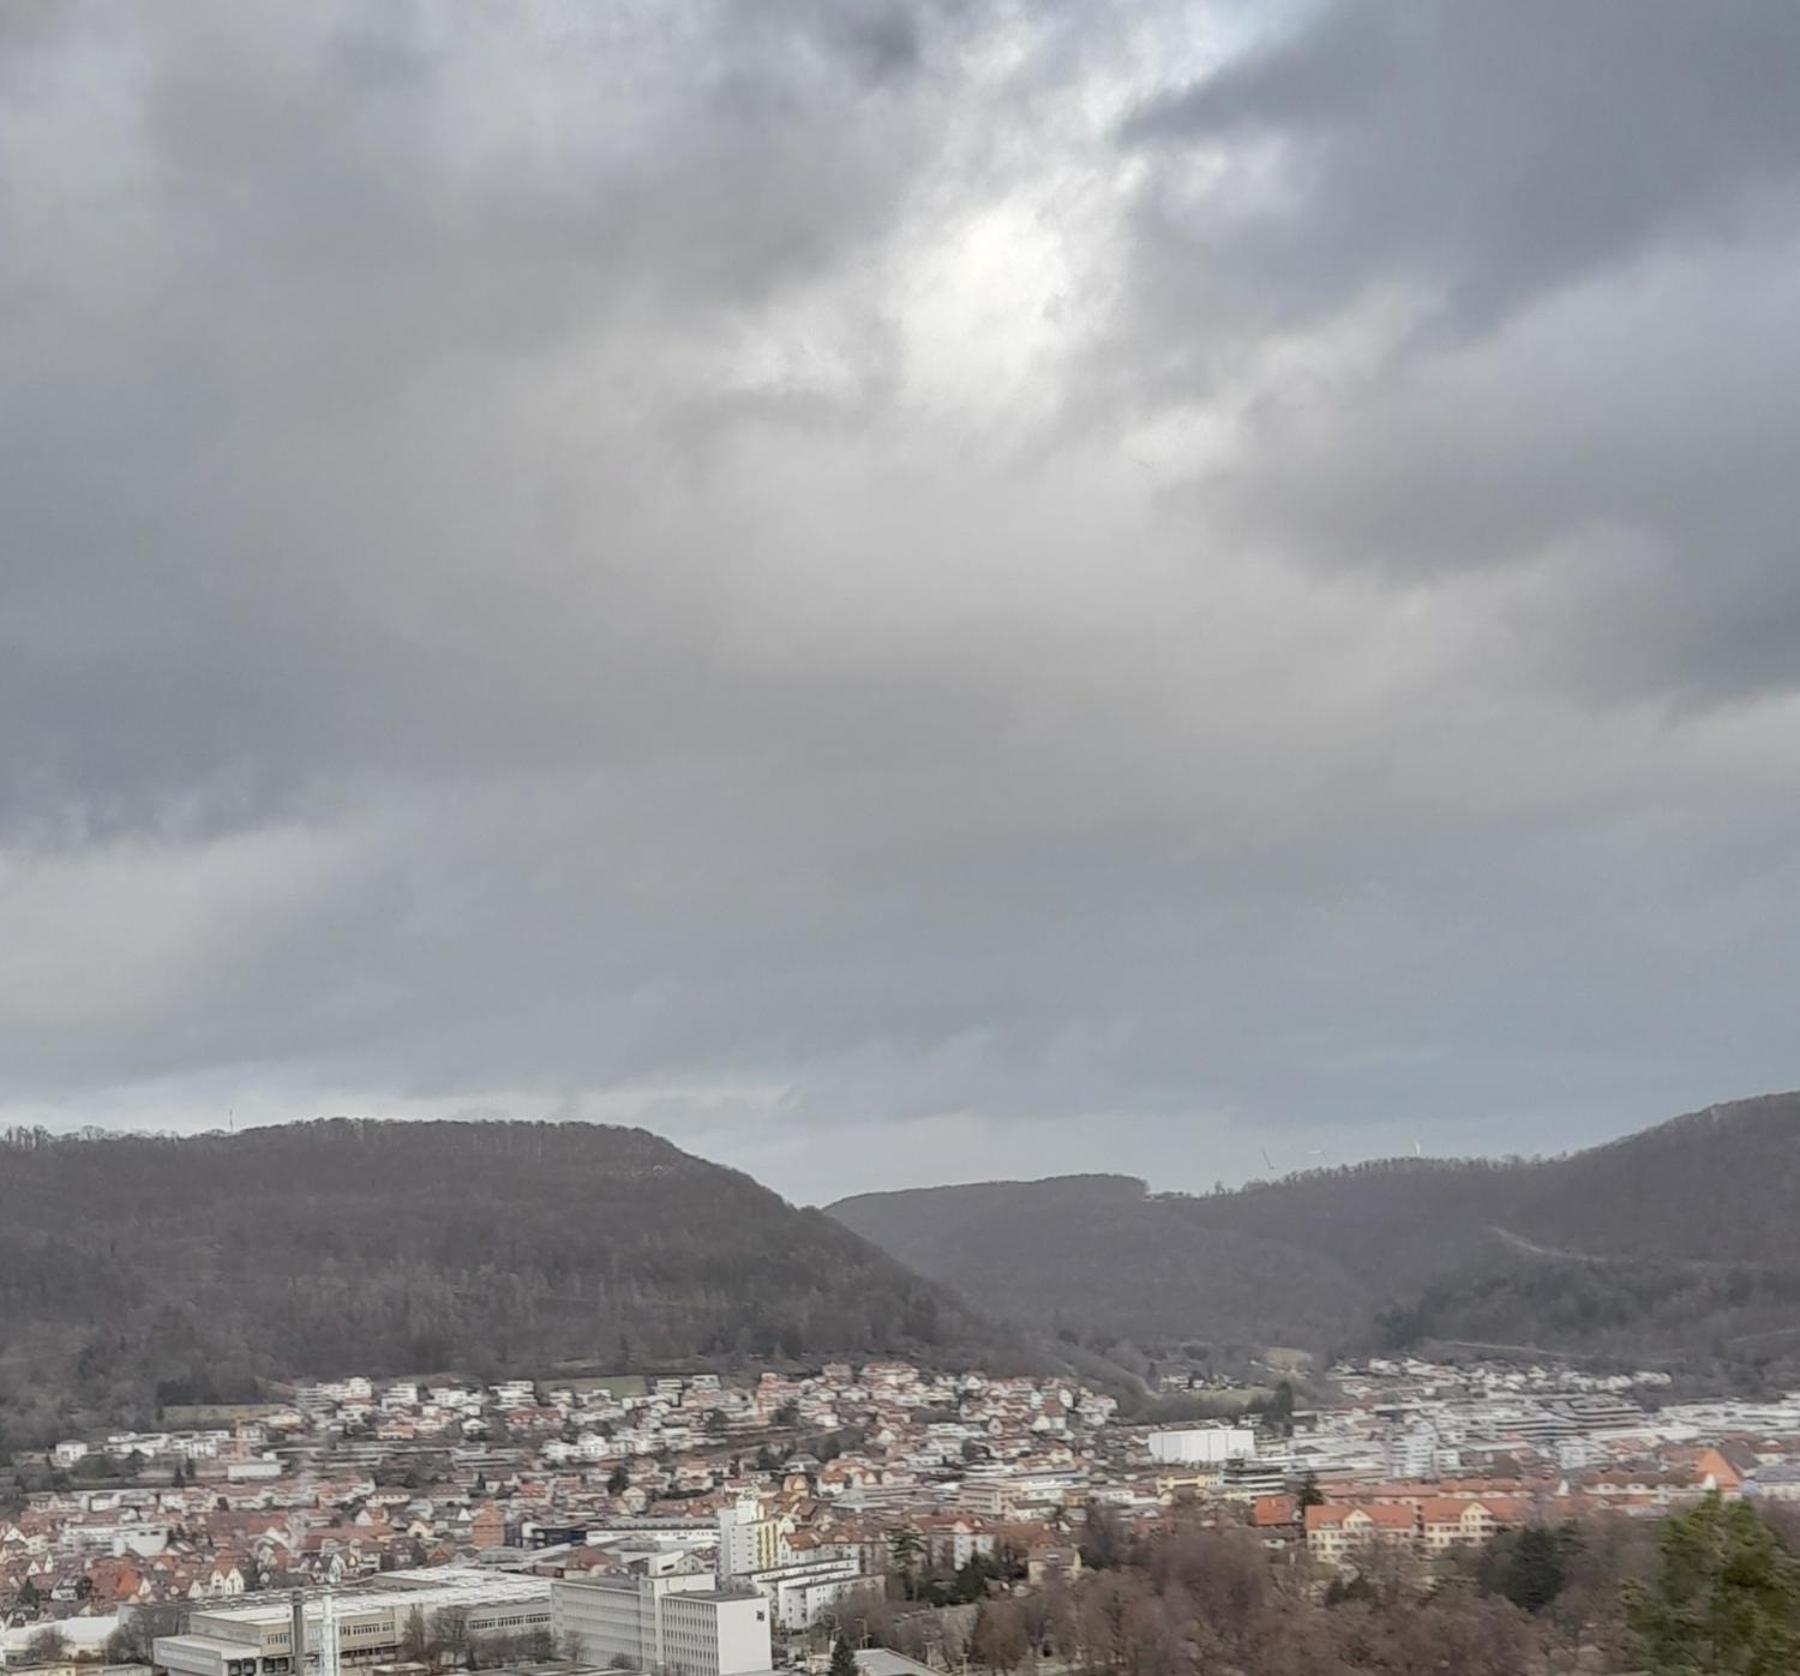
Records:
x=679, y=1624
x=254, y=1635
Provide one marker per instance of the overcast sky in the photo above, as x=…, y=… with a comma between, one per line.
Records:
x=903, y=591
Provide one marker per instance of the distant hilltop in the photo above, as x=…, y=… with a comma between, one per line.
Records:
x=140, y=1271
x=1680, y=1241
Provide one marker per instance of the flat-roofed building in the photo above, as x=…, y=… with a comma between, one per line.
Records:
x=680, y=1624
x=253, y=1636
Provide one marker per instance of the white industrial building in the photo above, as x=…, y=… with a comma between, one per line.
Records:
x=254, y=1635
x=680, y=1624
x=1202, y=1445
x=85, y=1638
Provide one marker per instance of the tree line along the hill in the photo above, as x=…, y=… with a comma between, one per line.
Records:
x=137, y=1271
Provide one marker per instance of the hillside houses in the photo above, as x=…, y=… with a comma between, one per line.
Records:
x=841, y=1477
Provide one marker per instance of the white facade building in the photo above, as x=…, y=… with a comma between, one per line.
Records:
x=716, y=1634
x=748, y=1540
x=1207, y=1445
x=679, y=1624
x=802, y=1594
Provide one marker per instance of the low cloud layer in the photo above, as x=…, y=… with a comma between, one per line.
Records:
x=902, y=592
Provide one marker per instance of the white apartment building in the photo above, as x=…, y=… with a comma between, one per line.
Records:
x=753, y=1553
x=748, y=1540
x=680, y=1625
x=800, y=1594
x=1414, y=1453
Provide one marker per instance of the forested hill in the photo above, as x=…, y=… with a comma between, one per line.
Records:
x=1680, y=1241
x=133, y=1266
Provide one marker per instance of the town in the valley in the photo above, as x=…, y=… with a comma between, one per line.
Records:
x=708, y=1525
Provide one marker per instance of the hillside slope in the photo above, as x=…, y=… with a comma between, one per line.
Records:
x=1103, y=1255
x=133, y=1267
x=1679, y=1240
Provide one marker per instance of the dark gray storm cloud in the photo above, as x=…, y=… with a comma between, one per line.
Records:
x=901, y=591
x=1569, y=222
x=1491, y=153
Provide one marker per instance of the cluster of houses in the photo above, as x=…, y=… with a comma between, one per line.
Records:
x=349, y=1479
x=805, y=1488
